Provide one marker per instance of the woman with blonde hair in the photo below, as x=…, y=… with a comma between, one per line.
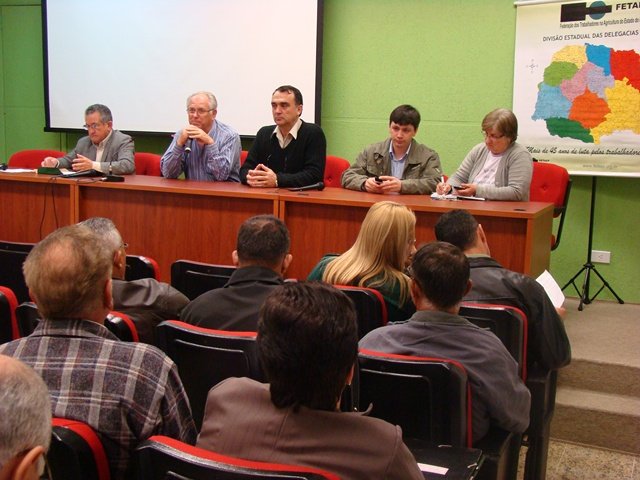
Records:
x=378, y=257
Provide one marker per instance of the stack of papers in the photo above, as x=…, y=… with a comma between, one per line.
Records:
x=451, y=196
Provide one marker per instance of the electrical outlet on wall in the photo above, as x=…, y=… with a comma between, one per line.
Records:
x=600, y=256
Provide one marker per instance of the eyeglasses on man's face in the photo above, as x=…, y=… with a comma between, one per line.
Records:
x=199, y=111
x=92, y=126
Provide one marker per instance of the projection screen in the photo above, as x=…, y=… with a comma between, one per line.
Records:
x=142, y=58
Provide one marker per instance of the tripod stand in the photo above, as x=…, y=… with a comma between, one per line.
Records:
x=589, y=267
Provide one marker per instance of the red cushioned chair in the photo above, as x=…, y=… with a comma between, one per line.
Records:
x=8, y=323
x=333, y=170
x=12, y=256
x=164, y=457
x=507, y=323
x=195, y=278
x=121, y=325
x=76, y=452
x=370, y=307
x=551, y=183
x=147, y=164
x=430, y=398
x=205, y=357
x=139, y=266
x=32, y=158
x=507, y=326
x=243, y=156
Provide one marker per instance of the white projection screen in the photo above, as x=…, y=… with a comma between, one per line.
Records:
x=142, y=58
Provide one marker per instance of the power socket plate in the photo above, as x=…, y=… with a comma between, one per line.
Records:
x=600, y=256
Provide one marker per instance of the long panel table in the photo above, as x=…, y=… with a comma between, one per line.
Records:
x=171, y=219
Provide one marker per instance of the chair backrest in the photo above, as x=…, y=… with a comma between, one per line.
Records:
x=76, y=452
x=551, y=183
x=195, y=278
x=243, y=156
x=166, y=458
x=428, y=397
x=12, y=256
x=121, y=325
x=370, y=307
x=333, y=169
x=32, y=158
x=8, y=323
x=28, y=317
x=508, y=323
x=205, y=357
x=139, y=267
x=147, y=163
x=118, y=323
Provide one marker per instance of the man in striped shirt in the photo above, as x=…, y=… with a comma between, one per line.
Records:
x=125, y=391
x=205, y=149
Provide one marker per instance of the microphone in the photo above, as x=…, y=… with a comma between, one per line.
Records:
x=187, y=151
x=315, y=186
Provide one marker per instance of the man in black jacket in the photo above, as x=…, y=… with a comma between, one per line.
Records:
x=291, y=153
x=548, y=345
x=262, y=257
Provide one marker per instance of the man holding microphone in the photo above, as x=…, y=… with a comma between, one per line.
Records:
x=205, y=149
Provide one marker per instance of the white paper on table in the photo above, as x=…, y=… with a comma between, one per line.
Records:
x=17, y=170
x=552, y=288
x=425, y=467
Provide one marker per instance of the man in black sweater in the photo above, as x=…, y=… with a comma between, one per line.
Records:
x=290, y=153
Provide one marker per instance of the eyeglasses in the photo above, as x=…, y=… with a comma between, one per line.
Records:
x=93, y=126
x=492, y=136
x=199, y=111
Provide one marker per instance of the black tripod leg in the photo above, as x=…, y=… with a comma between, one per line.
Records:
x=606, y=284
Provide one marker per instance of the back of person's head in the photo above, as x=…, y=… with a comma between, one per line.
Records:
x=441, y=272
x=457, y=227
x=307, y=343
x=405, y=115
x=297, y=95
x=106, y=230
x=379, y=253
x=503, y=120
x=103, y=110
x=67, y=273
x=262, y=240
x=25, y=416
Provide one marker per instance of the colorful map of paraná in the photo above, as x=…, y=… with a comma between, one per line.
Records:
x=590, y=91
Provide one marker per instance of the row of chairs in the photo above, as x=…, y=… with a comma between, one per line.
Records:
x=76, y=453
x=149, y=163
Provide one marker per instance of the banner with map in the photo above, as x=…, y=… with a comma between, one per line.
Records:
x=576, y=90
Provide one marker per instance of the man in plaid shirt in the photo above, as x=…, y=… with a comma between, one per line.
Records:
x=125, y=391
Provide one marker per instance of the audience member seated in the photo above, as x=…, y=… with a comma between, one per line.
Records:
x=440, y=280
x=548, y=344
x=25, y=421
x=125, y=391
x=398, y=164
x=307, y=342
x=104, y=149
x=499, y=168
x=205, y=149
x=262, y=257
x=291, y=153
x=147, y=301
x=377, y=259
